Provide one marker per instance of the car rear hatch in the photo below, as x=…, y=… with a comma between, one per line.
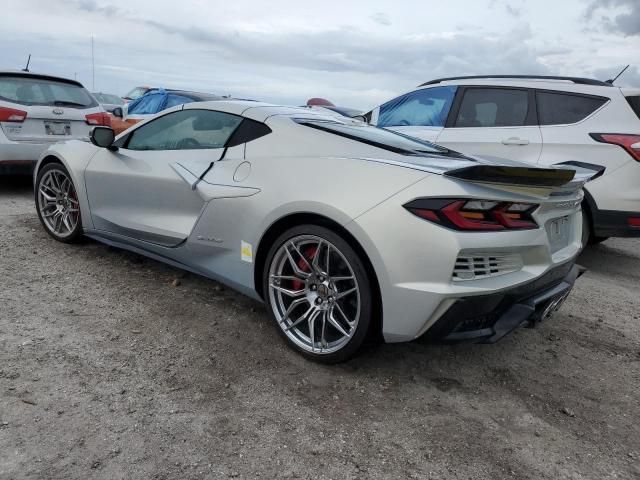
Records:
x=40, y=109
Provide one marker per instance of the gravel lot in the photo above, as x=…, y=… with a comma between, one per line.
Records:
x=115, y=366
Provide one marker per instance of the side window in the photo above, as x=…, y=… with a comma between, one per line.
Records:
x=185, y=130
x=493, y=107
x=563, y=108
x=427, y=107
x=634, y=102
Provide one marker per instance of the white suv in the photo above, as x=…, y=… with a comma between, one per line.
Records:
x=540, y=120
x=39, y=110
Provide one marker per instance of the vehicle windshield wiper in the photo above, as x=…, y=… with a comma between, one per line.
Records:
x=62, y=103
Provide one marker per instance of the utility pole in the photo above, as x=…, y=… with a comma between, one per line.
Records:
x=93, y=68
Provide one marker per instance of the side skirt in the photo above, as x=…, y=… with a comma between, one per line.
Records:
x=137, y=246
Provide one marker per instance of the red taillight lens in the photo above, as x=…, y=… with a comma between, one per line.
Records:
x=101, y=118
x=634, y=222
x=475, y=215
x=630, y=142
x=12, y=115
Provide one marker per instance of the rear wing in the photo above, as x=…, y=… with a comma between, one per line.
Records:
x=572, y=175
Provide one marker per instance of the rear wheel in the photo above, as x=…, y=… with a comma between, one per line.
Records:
x=588, y=238
x=57, y=203
x=318, y=293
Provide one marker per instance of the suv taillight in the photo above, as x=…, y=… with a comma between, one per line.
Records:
x=475, y=215
x=630, y=142
x=101, y=118
x=12, y=115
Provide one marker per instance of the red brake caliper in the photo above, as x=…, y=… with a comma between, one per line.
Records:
x=309, y=253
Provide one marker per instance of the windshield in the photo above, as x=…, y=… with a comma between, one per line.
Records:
x=377, y=137
x=39, y=91
x=136, y=93
x=108, y=98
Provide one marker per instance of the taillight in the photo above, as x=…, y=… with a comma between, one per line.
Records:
x=475, y=215
x=12, y=115
x=630, y=142
x=101, y=118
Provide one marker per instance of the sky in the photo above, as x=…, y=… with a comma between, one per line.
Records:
x=356, y=53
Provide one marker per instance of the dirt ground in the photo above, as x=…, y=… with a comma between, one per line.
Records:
x=109, y=371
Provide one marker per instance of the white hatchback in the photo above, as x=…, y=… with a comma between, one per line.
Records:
x=39, y=110
x=544, y=121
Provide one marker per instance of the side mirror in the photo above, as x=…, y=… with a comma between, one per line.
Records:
x=117, y=112
x=102, y=137
x=362, y=118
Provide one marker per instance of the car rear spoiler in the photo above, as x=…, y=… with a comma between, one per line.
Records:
x=517, y=176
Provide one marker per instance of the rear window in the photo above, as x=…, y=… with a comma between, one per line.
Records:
x=564, y=108
x=493, y=107
x=38, y=91
x=634, y=101
x=377, y=137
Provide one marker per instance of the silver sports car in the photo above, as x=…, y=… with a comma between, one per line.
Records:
x=344, y=230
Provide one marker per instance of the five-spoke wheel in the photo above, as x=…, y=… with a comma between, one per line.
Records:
x=318, y=293
x=57, y=203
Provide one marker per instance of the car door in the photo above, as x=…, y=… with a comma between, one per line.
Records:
x=494, y=122
x=146, y=188
x=421, y=113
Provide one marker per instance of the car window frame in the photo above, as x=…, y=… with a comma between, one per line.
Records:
x=123, y=142
x=531, y=119
x=607, y=100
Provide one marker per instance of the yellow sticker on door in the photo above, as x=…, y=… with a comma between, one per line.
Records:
x=246, y=252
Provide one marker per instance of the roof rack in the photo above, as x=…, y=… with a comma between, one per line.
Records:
x=578, y=80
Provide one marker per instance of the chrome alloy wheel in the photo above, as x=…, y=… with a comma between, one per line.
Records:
x=314, y=294
x=58, y=203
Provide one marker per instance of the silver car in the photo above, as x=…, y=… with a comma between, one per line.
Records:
x=344, y=230
x=39, y=110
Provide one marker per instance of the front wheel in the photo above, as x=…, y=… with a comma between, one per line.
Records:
x=318, y=292
x=57, y=203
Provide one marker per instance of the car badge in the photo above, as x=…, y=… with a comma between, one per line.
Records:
x=58, y=111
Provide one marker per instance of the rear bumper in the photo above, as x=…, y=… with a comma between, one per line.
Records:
x=613, y=223
x=488, y=318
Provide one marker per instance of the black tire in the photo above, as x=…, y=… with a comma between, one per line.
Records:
x=588, y=238
x=75, y=235
x=366, y=311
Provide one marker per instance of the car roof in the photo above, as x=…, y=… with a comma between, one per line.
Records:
x=576, y=80
x=199, y=96
x=543, y=83
x=22, y=73
x=259, y=111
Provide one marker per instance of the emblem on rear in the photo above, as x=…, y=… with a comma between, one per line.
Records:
x=58, y=111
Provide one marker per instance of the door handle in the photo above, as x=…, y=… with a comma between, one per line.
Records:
x=515, y=141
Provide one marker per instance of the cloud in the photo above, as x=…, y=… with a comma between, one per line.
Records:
x=93, y=6
x=286, y=53
x=381, y=18
x=627, y=23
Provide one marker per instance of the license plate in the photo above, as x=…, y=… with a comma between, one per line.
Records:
x=57, y=128
x=559, y=231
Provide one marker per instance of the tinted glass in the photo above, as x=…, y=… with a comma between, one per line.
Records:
x=378, y=137
x=36, y=91
x=427, y=107
x=562, y=108
x=493, y=107
x=185, y=130
x=173, y=100
x=634, y=101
